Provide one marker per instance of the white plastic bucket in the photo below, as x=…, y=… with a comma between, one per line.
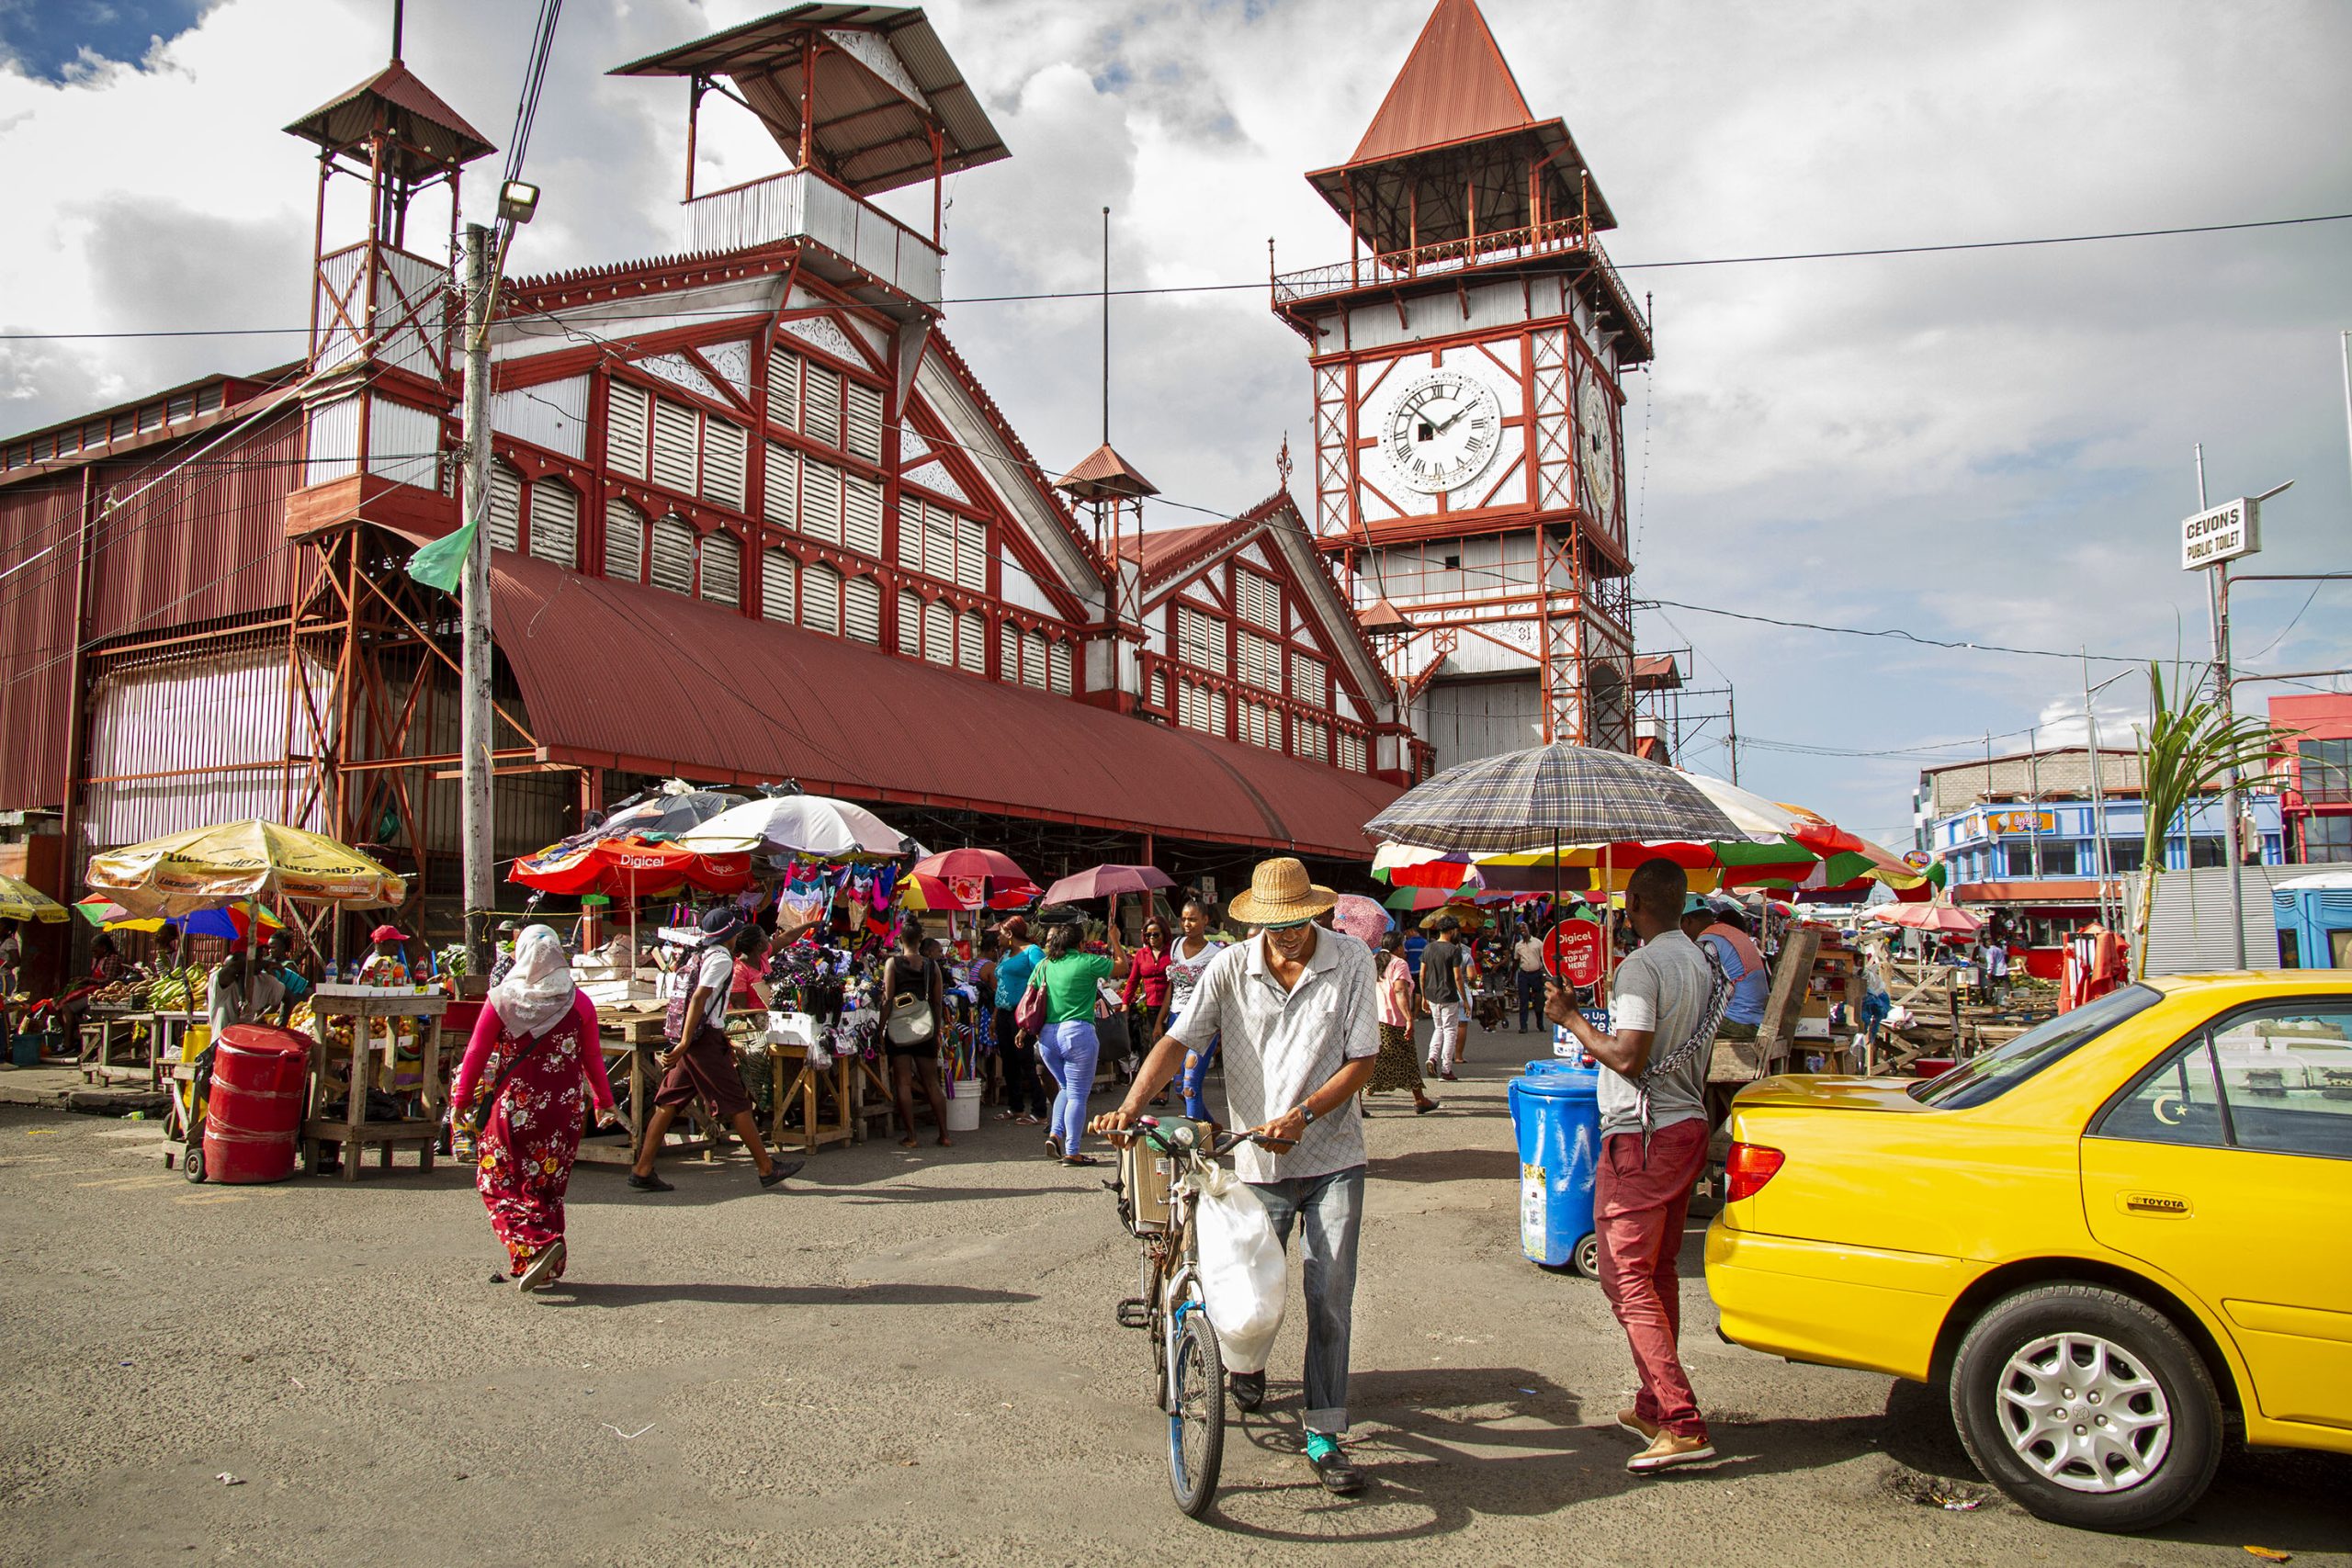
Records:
x=963, y=1106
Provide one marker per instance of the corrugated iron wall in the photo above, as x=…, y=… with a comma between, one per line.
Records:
x=37, y=612
x=206, y=542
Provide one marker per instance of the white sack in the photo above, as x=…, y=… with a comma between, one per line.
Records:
x=1244, y=1276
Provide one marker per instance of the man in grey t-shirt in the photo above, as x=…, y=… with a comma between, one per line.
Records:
x=1445, y=993
x=1647, y=1166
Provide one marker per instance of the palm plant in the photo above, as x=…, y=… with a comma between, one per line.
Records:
x=2184, y=749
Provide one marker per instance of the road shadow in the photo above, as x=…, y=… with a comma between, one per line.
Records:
x=2295, y=1502
x=590, y=1294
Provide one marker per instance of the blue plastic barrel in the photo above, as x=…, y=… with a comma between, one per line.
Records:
x=1555, y=1112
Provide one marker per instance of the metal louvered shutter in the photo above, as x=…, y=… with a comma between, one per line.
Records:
x=1257, y=661
x=1058, y=667
x=865, y=422
x=555, y=522
x=1033, y=661
x=821, y=599
x=862, y=609
x=1260, y=600
x=674, y=445
x=1351, y=752
x=820, y=408
x=972, y=555
x=862, y=516
x=910, y=533
x=909, y=624
x=724, y=447
x=784, y=389
x=505, y=526
x=780, y=493
x=673, y=555
x=939, y=632
x=722, y=568
x=939, y=543
x=624, y=419
x=624, y=542
x=1008, y=651
x=1308, y=680
x=778, y=577
x=972, y=642
x=1199, y=640
x=821, y=500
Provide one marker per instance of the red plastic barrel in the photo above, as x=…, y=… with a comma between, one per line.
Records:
x=252, y=1120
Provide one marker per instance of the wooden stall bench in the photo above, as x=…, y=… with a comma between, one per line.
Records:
x=373, y=1014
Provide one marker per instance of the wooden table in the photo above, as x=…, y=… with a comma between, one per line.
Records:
x=115, y=1021
x=638, y=1038
x=164, y=1031
x=806, y=1081
x=373, y=1012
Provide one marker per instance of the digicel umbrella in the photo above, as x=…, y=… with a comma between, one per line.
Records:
x=629, y=868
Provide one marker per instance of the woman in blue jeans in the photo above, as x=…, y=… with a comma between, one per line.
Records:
x=1068, y=1045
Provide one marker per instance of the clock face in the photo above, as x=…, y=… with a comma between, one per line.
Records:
x=1443, y=431
x=1593, y=450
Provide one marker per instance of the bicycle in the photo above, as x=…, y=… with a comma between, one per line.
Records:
x=1160, y=1170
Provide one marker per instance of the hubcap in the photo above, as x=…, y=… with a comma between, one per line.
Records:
x=2084, y=1413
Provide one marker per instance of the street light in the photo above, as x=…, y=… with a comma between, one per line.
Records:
x=518, y=200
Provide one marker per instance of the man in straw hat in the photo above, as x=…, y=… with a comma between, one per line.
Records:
x=1300, y=1016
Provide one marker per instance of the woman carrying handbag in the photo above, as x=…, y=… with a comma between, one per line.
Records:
x=915, y=1007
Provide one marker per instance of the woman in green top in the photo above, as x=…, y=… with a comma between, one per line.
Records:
x=1068, y=1046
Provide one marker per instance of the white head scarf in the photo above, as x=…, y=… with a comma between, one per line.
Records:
x=536, y=994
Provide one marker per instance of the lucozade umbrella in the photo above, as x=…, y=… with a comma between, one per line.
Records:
x=204, y=868
x=20, y=900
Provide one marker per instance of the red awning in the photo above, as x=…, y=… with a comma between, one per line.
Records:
x=643, y=679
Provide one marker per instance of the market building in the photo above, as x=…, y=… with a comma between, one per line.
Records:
x=2022, y=832
x=2315, y=798
x=752, y=518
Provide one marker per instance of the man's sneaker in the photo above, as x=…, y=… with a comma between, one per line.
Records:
x=1669, y=1451
x=1330, y=1464
x=649, y=1184
x=1249, y=1389
x=780, y=1170
x=1630, y=1420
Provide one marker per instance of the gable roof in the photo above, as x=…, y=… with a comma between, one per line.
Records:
x=1455, y=87
x=435, y=137
x=1170, y=555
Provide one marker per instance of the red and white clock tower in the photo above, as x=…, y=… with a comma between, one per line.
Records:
x=1467, y=359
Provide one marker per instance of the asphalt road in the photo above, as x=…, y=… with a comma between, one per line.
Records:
x=905, y=1360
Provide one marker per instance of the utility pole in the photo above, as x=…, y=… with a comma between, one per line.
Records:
x=2217, y=584
x=2105, y=865
x=1731, y=730
x=474, y=598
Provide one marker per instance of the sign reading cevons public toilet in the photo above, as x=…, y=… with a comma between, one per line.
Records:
x=2228, y=531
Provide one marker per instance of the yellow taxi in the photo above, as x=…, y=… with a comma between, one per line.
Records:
x=2114, y=1238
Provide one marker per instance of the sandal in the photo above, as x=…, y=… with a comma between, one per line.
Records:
x=1053, y=1146
x=1081, y=1159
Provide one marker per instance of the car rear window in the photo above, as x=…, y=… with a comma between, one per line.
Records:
x=1987, y=1077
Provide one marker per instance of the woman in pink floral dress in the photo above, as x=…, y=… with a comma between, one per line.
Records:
x=533, y=1052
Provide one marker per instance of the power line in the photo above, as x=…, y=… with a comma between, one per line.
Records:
x=1176, y=289
x=1895, y=633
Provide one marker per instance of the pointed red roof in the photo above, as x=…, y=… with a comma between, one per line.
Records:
x=436, y=136
x=1455, y=87
x=1103, y=474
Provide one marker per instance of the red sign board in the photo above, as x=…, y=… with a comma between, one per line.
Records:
x=1573, y=952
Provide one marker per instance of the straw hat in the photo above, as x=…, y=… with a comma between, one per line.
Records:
x=1280, y=894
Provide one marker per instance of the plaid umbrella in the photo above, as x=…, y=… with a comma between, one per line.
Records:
x=1552, y=796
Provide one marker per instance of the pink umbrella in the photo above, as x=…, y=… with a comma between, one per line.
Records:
x=1107, y=882
x=987, y=863
x=1942, y=919
x=1361, y=917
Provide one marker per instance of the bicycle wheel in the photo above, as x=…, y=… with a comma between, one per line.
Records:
x=1197, y=1412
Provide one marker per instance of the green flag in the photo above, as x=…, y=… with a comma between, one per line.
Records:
x=440, y=562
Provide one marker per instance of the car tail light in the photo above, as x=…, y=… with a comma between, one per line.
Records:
x=1749, y=1167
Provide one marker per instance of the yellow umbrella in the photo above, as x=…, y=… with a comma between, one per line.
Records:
x=206, y=867
x=23, y=901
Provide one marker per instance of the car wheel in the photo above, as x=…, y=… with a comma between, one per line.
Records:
x=2088, y=1408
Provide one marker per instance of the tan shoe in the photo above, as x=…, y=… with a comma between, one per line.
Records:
x=1669, y=1451
x=1630, y=1420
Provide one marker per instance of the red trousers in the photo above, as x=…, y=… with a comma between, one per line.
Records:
x=1640, y=1200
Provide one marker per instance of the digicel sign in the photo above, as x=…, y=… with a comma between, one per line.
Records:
x=1573, y=952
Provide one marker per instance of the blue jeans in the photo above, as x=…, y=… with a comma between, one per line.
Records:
x=1068, y=1051
x=1192, y=1079
x=1331, y=1211
x=1530, y=997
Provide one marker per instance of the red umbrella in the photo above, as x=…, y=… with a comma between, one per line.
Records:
x=986, y=864
x=919, y=892
x=629, y=868
x=1107, y=882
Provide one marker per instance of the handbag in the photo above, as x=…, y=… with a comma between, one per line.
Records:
x=1029, y=1016
x=909, y=1021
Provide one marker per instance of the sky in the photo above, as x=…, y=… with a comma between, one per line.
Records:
x=1990, y=446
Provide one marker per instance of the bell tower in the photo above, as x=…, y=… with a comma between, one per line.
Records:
x=1467, y=358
